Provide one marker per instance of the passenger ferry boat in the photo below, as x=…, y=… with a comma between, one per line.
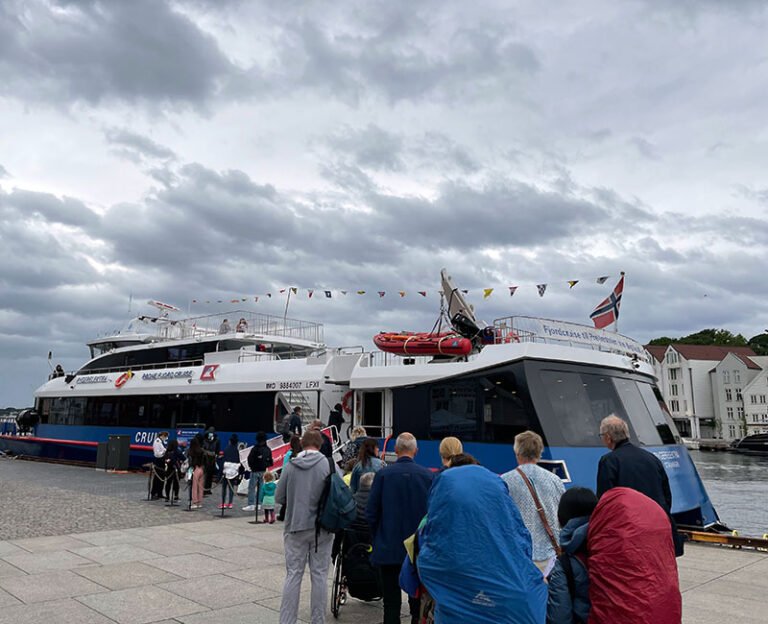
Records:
x=556, y=378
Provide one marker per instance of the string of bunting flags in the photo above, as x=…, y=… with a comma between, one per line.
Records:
x=329, y=294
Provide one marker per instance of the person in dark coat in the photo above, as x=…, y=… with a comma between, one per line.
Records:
x=396, y=505
x=632, y=467
x=231, y=471
x=336, y=417
x=211, y=451
x=173, y=459
x=259, y=459
x=568, y=597
x=327, y=448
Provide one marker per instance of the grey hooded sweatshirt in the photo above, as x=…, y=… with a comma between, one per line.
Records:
x=300, y=487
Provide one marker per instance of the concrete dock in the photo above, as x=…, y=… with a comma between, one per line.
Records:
x=81, y=546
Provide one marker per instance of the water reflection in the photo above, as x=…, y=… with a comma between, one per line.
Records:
x=738, y=487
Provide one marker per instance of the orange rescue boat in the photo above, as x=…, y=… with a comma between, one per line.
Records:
x=424, y=343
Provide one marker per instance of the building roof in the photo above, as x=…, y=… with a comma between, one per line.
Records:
x=657, y=351
x=715, y=353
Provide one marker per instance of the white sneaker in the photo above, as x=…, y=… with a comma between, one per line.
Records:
x=249, y=508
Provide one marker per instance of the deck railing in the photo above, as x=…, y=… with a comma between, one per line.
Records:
x=256, y=323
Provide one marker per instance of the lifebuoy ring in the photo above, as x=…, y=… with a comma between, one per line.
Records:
x=123, y=379
x=346, y=403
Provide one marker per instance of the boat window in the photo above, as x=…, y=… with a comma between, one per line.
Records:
x=658, y=411
x=637, y=410
x=489, y=407
x=238, y=411
x=578, y=402
x=453, y=410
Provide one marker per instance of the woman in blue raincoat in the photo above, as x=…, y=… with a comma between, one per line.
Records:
x=475, y=553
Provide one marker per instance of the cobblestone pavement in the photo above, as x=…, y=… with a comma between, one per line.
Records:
x=83, y=546
x=42, y=499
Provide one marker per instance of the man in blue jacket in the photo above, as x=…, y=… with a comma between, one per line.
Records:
x=397, y=503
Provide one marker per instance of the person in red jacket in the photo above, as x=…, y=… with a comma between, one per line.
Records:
x=632, y=568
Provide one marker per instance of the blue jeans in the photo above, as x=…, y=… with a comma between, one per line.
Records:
x=254, y=484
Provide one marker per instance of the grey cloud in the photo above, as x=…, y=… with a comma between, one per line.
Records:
x=136, y=144
x=645, y=148
x=361, y=54
x=370, y=147
x=441, y=152
x=68, y=211
x=759, y=195
x=101, y=50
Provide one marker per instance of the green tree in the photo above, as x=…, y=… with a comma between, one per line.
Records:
x=759, y=343
x=713, y=336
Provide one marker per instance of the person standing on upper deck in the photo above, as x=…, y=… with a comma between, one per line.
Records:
x=533, y=489
x=224, y=328
x=632, y=467
x=242, y=326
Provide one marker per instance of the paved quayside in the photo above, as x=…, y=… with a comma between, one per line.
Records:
x=156, y=564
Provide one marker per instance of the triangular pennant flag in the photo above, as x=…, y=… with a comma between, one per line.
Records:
x=423, y=293
x=328, y=294
x=234, y=300
x=244, y=299
x=310, y=292
x=402, y=293
x=382, y=293
x=360, y=292
x=466, y=292
x=343, y=292
x=512, y=290
x=282, y=290
x=487, y=292
x=572, y=283
x=194, y=300
x=295, y=291
x=601, y=280
x=542, y=289
x=269, y=295
x=256, y=299
x=219, y=301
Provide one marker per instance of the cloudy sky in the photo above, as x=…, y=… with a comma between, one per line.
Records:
x=221, y=149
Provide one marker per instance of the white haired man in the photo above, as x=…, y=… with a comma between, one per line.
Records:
x=629, y=466
x=396, y=505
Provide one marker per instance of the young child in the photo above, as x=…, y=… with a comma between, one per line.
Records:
x=268, y=497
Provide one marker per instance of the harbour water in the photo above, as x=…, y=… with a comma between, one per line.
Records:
x=738, y=487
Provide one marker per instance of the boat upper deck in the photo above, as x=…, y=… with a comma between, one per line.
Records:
x=242, y=323
x=527, y=330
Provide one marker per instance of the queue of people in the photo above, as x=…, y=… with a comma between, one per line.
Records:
x=464, y=543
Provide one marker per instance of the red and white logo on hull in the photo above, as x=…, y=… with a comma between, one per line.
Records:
x=209, y=372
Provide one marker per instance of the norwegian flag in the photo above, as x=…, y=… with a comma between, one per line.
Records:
x=607, y=311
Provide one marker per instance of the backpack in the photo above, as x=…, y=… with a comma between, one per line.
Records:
x=285, y=425
x=363, y=580
x=336, y=509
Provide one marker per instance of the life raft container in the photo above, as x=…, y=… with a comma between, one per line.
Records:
x=412, y=343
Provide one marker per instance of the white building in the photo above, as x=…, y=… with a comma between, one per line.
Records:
x=755, y=395
x=703, y=387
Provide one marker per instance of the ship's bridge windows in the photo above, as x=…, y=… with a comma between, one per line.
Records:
x=487, y=407
x=573, y=403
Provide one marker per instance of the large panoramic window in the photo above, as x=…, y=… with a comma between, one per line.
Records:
x=236, y=411
x=491, y=406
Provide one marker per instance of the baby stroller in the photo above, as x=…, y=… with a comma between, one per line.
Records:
x=353, y=573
